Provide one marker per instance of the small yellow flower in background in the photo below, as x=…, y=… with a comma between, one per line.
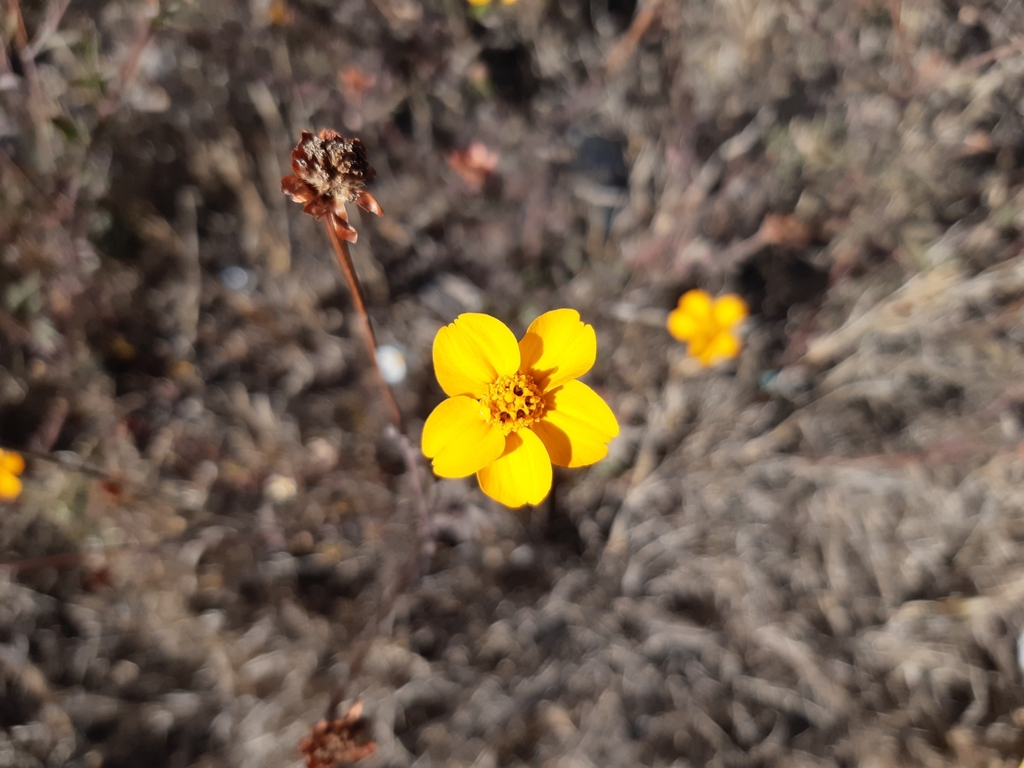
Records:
x=485, y=3
x=11, y=465
x=513, y=409
x=708, y=325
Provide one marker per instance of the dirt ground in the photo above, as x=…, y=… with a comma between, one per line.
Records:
x=810, y=556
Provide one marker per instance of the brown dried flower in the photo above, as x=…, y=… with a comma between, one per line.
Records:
x=334, y=742
x=328, y=171
x=354, y=82
x=473, y=164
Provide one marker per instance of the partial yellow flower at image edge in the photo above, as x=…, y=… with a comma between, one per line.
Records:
x=708, y=325
x=11, y=465
x=514, y=409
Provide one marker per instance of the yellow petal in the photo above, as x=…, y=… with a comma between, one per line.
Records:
x=684, y=327
x=458, y=438
x=577, y=426
x=11, y=462
x=697, y=304
x=557, y=348
x=698, y=347
x=10, y=486
x=724, y=346
x=523, y=473
x=472, y=352
x=729, y=310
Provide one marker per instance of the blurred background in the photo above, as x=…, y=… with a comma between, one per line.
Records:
x=810, y=555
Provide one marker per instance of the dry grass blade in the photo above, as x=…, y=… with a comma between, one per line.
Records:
x=624, y=48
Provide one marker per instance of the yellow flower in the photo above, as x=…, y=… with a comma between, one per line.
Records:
x=708, y=325
x=11, y=465
x=514, y=409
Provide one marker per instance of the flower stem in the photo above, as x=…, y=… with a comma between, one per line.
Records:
x=347, y=269
x=421, y=554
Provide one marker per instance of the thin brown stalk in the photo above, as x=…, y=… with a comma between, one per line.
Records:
x=903, y=51
x=976, y=62
x=425, y=532
x=417, y=561
x=128, y=70
x=423, y=551
x=419, y=558
x=624, y=48
x=364, y=640
x=349, y=271
x=54, y=13
x=20, y=33
x=36, y=110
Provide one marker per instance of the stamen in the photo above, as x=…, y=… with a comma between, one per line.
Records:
x=513, y=402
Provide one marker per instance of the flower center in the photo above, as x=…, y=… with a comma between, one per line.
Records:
x=513, y=402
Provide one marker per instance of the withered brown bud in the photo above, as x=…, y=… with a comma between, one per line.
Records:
x=328, y=171
x=338, y=742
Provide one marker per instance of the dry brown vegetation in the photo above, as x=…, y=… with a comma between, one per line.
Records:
x=813, y=556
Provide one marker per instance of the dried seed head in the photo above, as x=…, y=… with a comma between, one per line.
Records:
x=332, y=165
x=337, y=742
x=328, y=171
